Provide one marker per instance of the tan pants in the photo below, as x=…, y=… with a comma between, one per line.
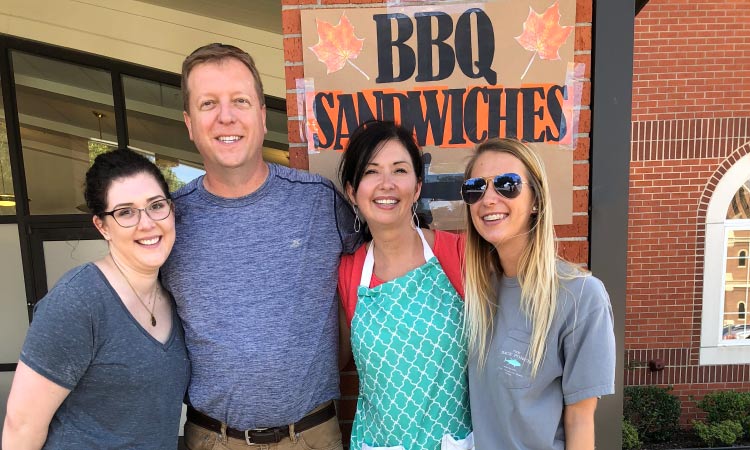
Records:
x=326, y=436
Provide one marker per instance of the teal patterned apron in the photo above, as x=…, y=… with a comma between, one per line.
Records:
x=407, y=341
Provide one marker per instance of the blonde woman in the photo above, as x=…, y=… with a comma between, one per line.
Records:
x=540, y=329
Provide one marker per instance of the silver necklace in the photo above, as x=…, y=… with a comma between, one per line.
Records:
x=153, y=293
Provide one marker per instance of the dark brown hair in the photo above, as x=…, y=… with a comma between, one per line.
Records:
x=115, y=165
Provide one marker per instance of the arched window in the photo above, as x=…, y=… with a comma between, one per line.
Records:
x=726, y=274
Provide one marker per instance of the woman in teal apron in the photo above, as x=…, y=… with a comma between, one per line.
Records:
x=401, y=301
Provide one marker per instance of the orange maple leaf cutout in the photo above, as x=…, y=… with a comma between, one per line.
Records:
x=337, y=45
x=543, y=34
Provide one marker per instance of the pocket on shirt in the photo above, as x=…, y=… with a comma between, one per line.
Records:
x=449, y=443
x=514, y=364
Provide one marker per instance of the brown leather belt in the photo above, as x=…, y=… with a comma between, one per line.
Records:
x=262, y=435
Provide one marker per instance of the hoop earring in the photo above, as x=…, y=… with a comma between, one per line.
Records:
x=357, y=222
x=414, y=218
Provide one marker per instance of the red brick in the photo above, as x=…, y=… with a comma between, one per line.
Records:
x=291, y=22
x=584, y=10
x=293, y=49
x=581, y=174
x=291, y=74
x=298, y=158
x=584, y=121
x=291, y=105
x=583, y=37
x=586, y=60
x=583, y=145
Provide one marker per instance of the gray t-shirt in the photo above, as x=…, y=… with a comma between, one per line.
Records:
x=254, y=279
x=509, y=409
x=126, y=387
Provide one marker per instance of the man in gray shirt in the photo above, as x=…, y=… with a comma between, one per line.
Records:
x=254, y=271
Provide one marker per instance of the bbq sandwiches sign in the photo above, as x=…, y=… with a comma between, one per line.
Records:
x=454, y=73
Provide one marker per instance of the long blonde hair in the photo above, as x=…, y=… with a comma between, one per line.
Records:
x=537, y=272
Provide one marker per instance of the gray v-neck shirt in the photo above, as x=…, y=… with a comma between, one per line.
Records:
x=509, y=409
x=126, y=386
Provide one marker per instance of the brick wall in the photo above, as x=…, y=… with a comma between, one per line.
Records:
x=572, y=239
x=691, y=121
x=691, y=60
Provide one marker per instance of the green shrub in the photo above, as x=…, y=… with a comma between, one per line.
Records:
x=727, y=405
x=654, y=412
x=630, y=439
x=725, y=432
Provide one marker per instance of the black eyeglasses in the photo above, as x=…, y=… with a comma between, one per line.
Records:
x=129, y=217
x=508, y=185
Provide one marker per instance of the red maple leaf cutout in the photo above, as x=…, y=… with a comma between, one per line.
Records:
x=543, y=34
x=337, y=45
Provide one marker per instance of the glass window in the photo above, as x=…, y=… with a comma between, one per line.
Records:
x=739, y=207
x=724, y=321
x=7, y=198
x=157, y=129
x=736, y=286
x=14, y=316
x=61, y=256
x=66, y=117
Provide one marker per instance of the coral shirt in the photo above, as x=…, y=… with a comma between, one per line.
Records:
x=448, y=248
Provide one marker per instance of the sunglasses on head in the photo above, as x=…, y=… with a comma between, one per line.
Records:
x=508, y=185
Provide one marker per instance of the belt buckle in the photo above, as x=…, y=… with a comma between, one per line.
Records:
x=275, y=431
x=248, y=440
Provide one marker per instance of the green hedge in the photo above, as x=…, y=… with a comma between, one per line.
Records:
x=726, y=405
x=653, y=411
x=630, y=440
x=727, y=417
x=725, y=433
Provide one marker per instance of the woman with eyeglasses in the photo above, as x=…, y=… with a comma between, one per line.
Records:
x=401, y=297
x=104, y=364
x=540, y=329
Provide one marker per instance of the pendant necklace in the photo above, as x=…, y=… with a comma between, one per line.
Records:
x=153, y=294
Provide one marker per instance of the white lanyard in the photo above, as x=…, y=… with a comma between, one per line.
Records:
x=364, y=281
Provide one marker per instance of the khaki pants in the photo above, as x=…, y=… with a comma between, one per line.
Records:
x=326, y=436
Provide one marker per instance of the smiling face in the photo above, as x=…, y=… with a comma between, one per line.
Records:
x=225, y=119
x=146, y=246
x=504, y=223
x=388, y=188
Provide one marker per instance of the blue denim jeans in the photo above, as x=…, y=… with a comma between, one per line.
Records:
x=326, y=436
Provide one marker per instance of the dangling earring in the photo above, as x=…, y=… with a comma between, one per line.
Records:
x=357, y=222
x=414, y=218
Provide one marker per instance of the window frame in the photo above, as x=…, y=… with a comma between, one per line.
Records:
x=713, y=349
x=80, y=225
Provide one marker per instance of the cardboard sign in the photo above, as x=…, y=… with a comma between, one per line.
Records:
x=455, y=74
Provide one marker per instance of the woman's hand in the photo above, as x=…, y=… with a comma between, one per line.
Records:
x=32, y=402
x=578, y=420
